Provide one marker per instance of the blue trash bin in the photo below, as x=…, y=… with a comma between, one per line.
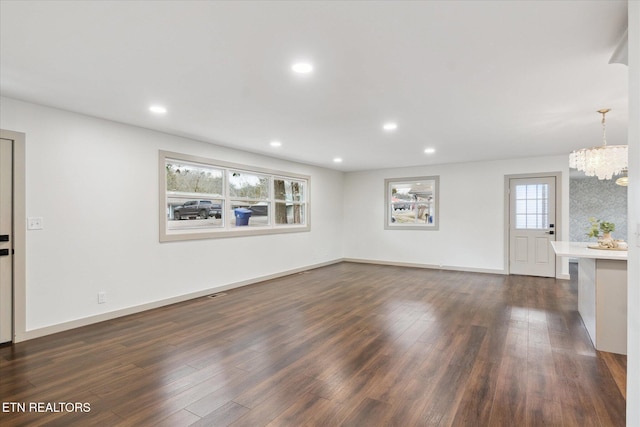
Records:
x=242, y=216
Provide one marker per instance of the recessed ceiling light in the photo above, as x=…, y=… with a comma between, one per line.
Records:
x=390, y=126
x=158, y=109
x=429, y=150
x=302, y=67
x=275, y=143
x=337, y=160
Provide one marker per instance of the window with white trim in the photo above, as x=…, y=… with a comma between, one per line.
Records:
x=412, y=203
x=204, y=198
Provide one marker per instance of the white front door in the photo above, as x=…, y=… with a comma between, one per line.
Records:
x=6, y=240
x=532, y=225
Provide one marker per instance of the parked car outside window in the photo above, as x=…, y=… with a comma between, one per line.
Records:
x=198, y=208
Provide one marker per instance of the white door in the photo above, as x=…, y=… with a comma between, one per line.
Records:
x=532, y=222
x=6, y=240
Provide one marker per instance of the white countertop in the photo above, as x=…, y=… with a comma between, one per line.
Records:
x=580, y=250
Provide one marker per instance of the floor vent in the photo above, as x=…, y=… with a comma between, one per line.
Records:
x=221, y=294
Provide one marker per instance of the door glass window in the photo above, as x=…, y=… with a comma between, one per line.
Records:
x=532, y=206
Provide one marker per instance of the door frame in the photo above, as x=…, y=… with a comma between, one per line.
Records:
x=19, y=234
x=507, y=214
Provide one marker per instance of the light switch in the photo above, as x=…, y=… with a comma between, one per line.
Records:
x=35, y=223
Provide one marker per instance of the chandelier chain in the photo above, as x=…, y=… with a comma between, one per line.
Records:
x=604, y=129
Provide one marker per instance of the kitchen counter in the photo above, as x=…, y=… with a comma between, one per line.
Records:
x=602, y=293
x=580, y=250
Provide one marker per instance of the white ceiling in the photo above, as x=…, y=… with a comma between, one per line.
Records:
x=475, y=80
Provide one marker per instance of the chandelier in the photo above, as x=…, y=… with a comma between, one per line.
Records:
x=604, y=161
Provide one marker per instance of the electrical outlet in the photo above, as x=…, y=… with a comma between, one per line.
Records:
x=102, y=297
x=35, y=223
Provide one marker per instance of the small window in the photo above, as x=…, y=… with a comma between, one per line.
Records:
x=412, y=203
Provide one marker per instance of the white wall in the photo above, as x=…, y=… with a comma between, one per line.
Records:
x=471, y=234
x=95, y=183
x=633, y=326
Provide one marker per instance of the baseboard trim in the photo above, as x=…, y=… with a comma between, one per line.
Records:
x=429, y=266
x=85, y=321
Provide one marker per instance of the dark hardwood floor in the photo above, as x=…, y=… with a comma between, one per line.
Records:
x=343, y=345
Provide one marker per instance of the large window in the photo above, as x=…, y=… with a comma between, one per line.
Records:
x=412, y=203
x=203, y=198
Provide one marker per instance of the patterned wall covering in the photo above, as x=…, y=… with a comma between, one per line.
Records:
x=590, y=197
